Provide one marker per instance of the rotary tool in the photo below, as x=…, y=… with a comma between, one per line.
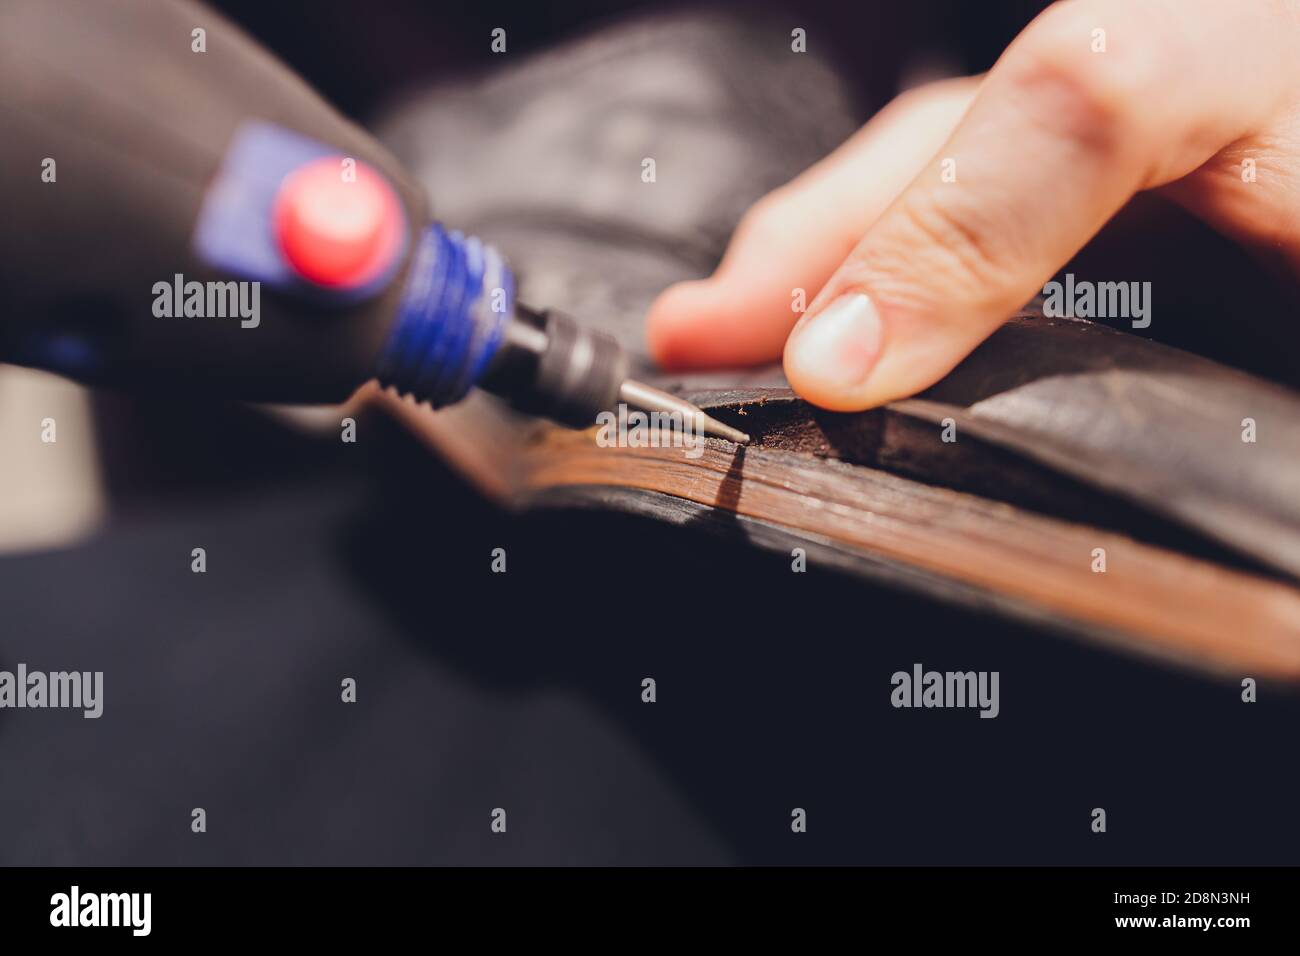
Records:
x=185, y=213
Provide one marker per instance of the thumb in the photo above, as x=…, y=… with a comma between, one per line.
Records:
x=1026, y=178
x=1055, y=142
x=934, y=276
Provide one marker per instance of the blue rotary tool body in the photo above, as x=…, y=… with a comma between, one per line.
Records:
x=186, y=214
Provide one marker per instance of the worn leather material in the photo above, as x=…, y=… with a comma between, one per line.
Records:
x=544, y=158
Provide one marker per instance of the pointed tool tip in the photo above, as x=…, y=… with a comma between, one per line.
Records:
x=726, y=431
x=652, y=399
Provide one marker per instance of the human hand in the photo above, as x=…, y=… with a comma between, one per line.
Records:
x=958, y=201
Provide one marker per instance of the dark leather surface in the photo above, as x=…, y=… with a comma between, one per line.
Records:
x=544, y=158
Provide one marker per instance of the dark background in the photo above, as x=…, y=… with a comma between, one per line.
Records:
x=522, y=690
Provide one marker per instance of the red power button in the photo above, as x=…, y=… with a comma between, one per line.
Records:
x=339, y=225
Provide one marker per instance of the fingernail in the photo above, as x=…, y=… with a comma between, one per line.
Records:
x=838, y=346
